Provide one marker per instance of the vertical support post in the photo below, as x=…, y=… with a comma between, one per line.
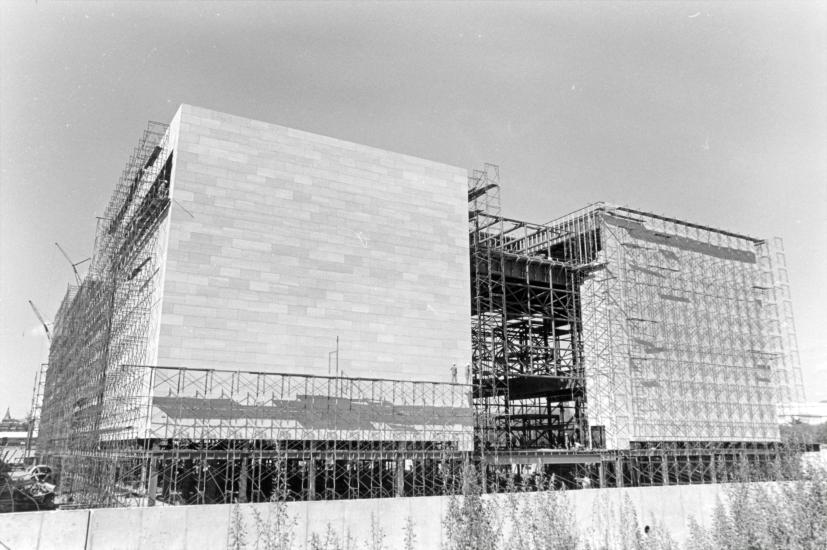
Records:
x=634, y=468
x=400, y=471
x=311, y=478
x=713, y=470
x=400, y=477
x=601, y=473
x=310, y=472
x=153, y=481
x=619, y=471
x=242, y=481
x=144, y=473
x=744, y=474
x=664, y=466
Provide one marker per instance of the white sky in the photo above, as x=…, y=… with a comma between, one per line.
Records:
x=710, y=112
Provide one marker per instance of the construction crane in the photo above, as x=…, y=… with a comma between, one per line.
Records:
x=73, y=264
x=42, y=321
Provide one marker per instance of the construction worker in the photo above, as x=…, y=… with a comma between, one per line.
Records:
x=454, y=373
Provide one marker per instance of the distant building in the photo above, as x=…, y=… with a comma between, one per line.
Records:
x=14, y=434
x=9, y=424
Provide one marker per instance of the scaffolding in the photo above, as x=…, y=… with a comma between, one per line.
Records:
x=194, y=436
x=528, y=384
x=108, y=319
x=36, y=407
x=778, y=318
x=610, y=346
x=674, y=323
x=122, y=433
x=633, y=347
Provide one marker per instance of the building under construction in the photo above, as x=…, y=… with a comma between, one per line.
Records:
x=273, y=313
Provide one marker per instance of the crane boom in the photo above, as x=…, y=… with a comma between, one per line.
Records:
x=42, y=321
x=73, y=264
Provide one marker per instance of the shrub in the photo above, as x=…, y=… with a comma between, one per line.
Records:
x=790, y=515
x=471, y=521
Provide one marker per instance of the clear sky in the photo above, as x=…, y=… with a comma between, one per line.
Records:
x=710, y=112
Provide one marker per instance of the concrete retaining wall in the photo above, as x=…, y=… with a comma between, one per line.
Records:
x=44, y=530
x=208, y=527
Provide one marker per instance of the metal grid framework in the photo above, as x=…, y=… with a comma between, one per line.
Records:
x=682, y=463
x=148, y=402
x=123, y=434
x=583, y=329
x=679, y=342
x=109, y=319
x=780, y=324
x=675, y=326
x=198, y=404
x=528, y=380
x=689, y=463
x=190, y=436
x=36, y=408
